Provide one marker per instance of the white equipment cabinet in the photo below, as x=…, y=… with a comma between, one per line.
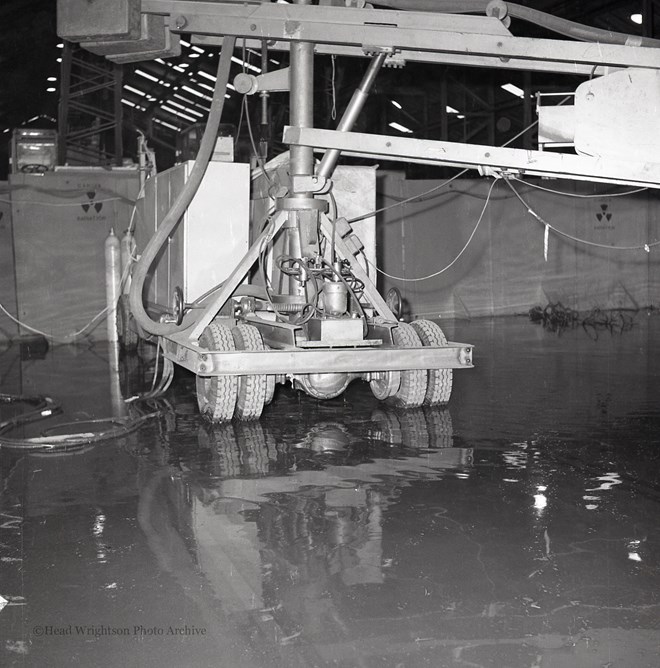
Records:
x=214, y=232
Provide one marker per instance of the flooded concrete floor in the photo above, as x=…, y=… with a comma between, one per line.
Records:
x=517, y=528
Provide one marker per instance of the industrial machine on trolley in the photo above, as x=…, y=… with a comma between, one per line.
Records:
x=265, y=281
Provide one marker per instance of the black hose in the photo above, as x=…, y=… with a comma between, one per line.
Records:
x=181, y=203
x=556, y=24
x=42, y=407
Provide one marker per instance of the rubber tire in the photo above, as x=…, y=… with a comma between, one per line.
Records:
x=216, y=395
x=440, y=428
x=128, y=337
x=412, y=390
x=405, y=429
x=440, y=381
x=220, y=441
x=251, y=395
x=251, y=439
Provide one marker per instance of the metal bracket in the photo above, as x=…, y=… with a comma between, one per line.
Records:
x=310, y=184
x=301, y=204
x=393, y=57
x=275, y=81
x=498, y=9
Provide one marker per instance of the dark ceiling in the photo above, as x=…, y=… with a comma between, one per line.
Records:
x=162, y=97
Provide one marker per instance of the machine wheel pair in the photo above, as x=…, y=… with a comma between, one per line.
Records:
x=221, y=398
x=416, y=387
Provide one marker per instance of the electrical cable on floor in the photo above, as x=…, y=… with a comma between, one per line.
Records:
x=43, y=407
x=645, y=247
x=58, y=443
x=454, y=261
x=65, y=339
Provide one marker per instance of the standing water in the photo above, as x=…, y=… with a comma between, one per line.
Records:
x=516, y=528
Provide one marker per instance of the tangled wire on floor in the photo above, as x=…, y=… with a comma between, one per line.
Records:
x=557, y=318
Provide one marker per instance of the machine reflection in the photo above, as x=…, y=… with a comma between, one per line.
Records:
x=287, y=527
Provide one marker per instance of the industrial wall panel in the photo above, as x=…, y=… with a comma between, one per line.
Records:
x=8, y=329
x=60, y=222
x=10, y=365
x=505, y=268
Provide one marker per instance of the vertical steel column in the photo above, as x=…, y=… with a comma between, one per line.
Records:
x=264, y=133
x=301, y=222
x=528, y=109
x=118, y=71
x=301, y=112
x=63, y=111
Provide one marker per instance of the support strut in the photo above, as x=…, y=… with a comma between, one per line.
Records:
x=355, y=106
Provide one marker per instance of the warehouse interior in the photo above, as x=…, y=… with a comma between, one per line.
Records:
x=385, y=391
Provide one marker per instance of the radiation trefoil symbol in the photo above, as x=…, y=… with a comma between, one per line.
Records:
x=92, y=204
x=604, y=213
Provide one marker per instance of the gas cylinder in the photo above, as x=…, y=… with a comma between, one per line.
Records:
x=112, y=281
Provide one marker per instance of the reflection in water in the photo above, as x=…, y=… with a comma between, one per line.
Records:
x=518, y=530
x=284, y=528
x=289, y=527
x=392, y=443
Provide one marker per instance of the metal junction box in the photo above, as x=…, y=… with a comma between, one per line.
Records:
x=210, y=239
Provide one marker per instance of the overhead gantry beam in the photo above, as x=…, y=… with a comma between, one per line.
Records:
x=417, y=36
x=488, y=158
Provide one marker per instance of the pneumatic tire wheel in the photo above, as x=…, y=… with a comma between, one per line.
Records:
x=440, y=381
x=412, y=388
x=216, y=395
x=251, y=388
x=401, y=428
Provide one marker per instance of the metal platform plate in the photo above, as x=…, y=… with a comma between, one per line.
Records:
x=191, y=356
x=362, y=343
